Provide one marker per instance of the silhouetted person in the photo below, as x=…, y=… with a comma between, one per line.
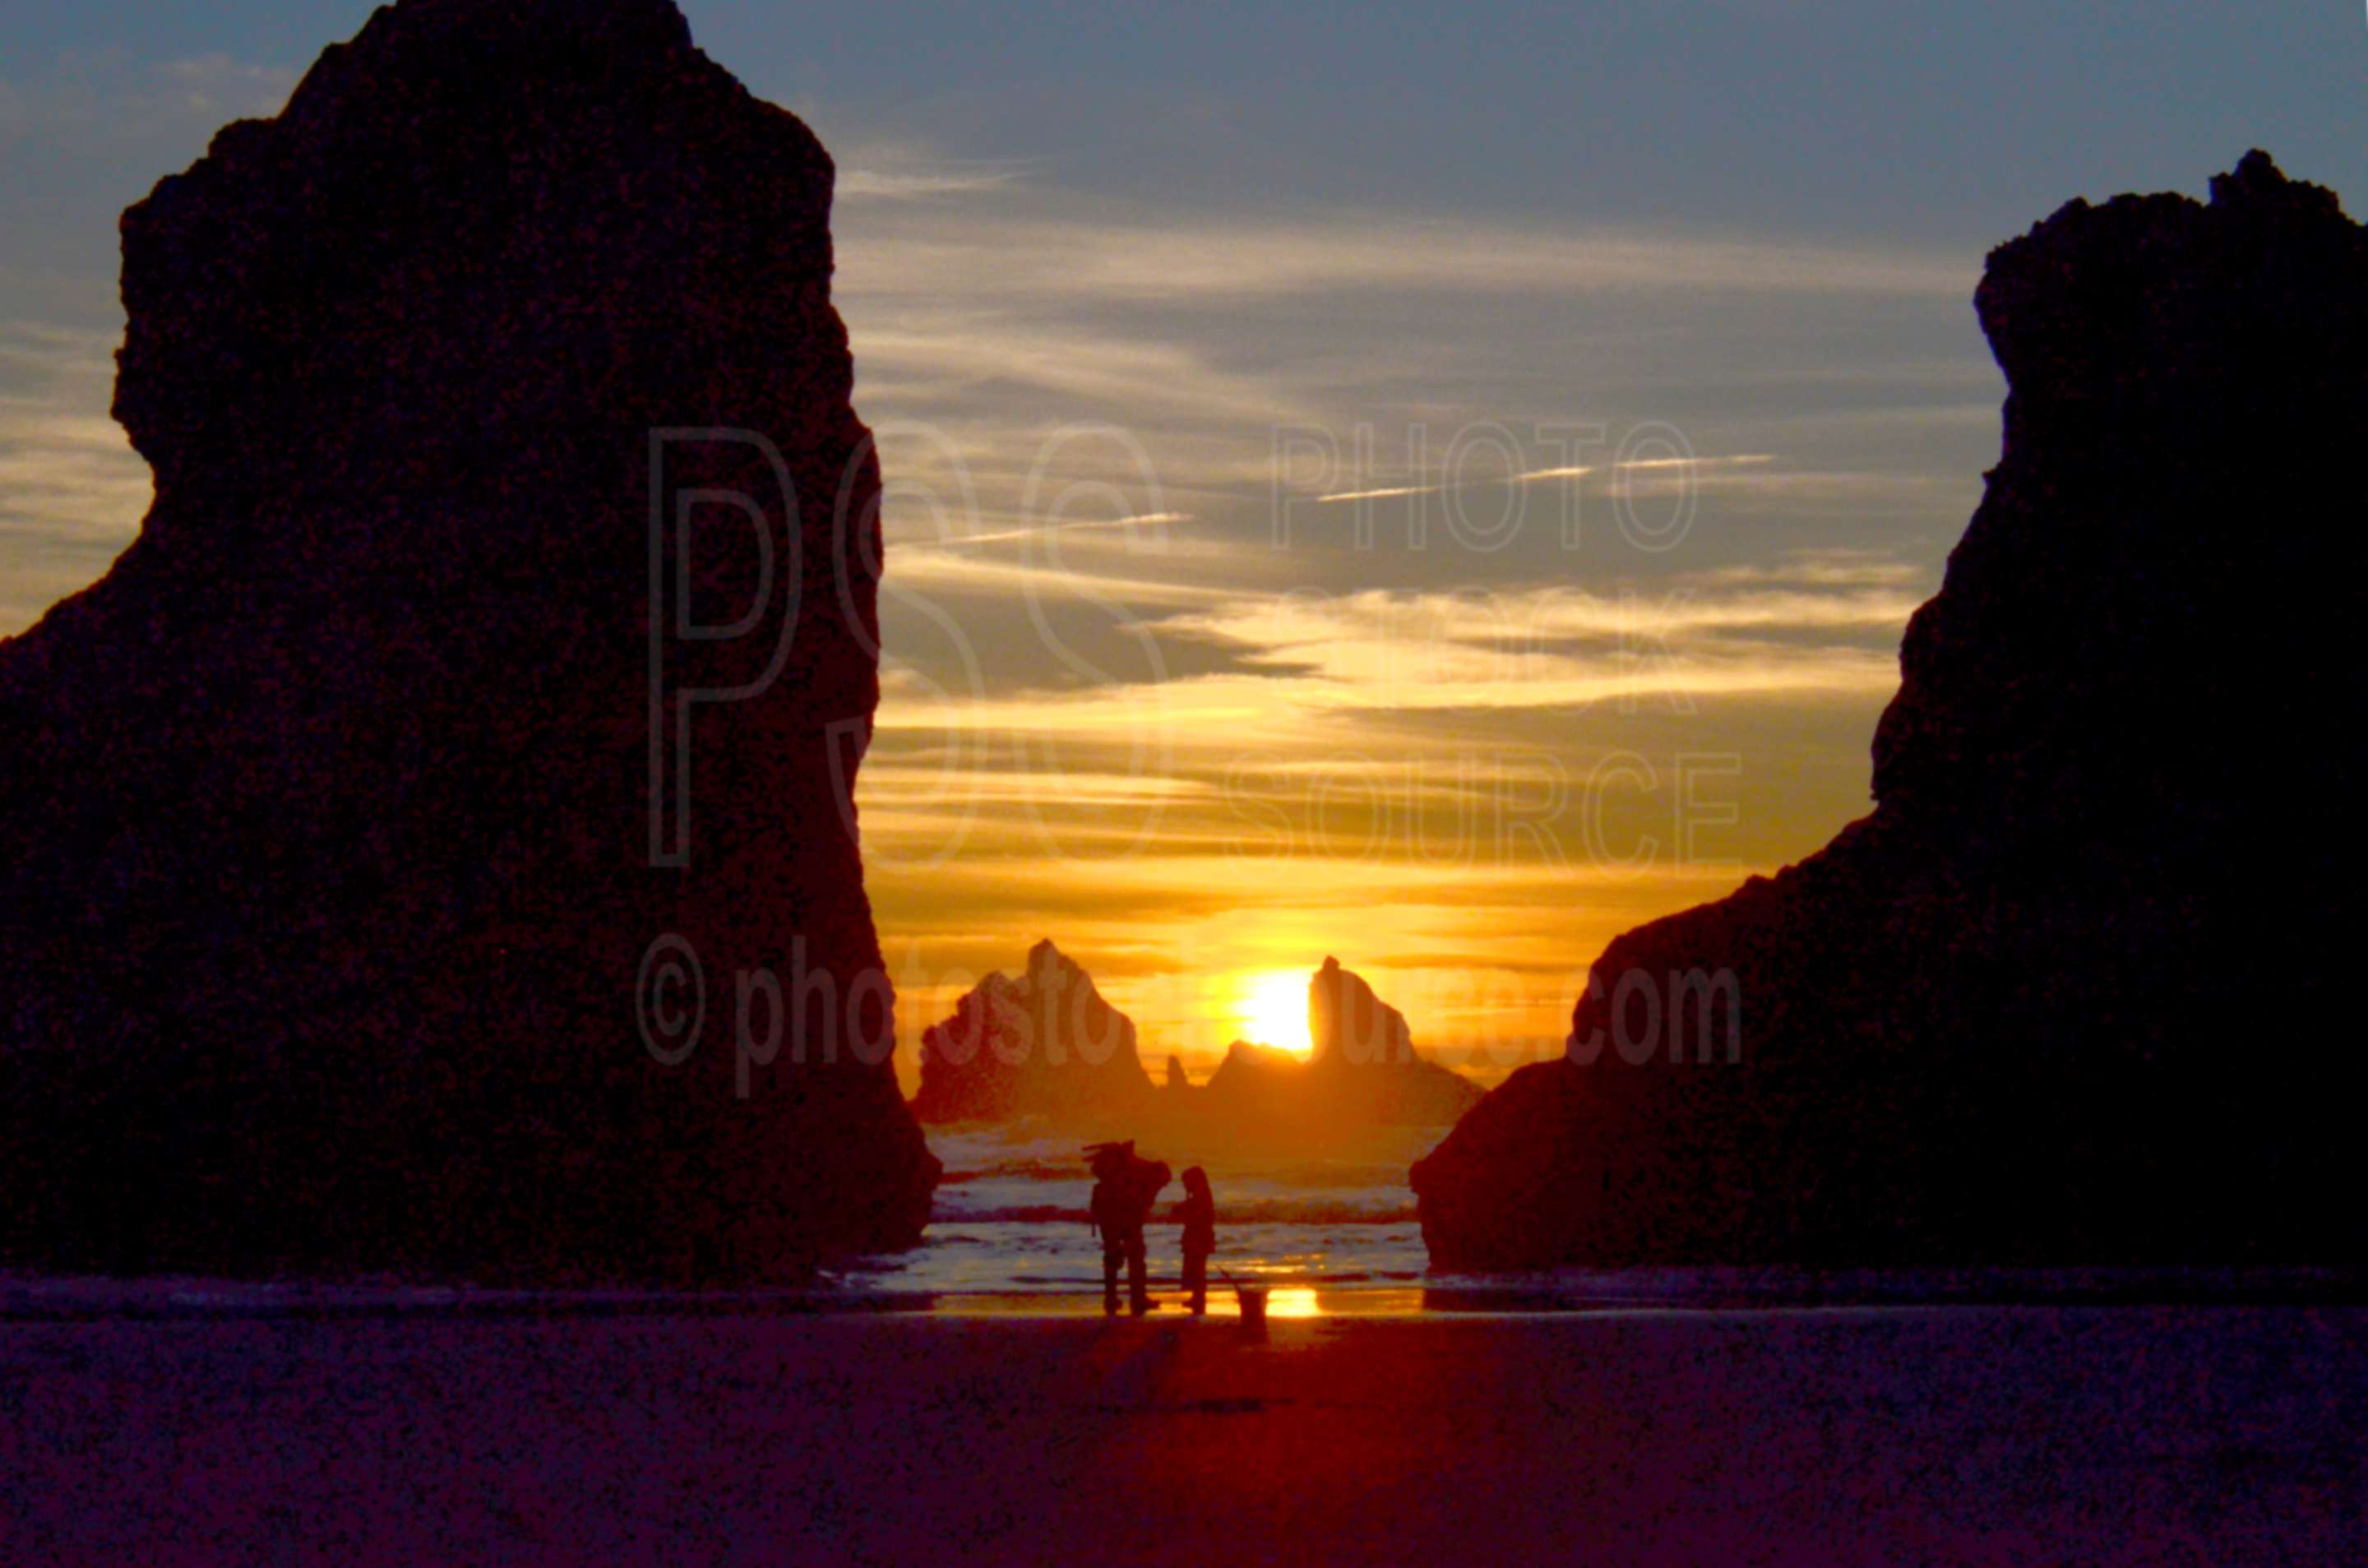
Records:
x=1198, y=1214
x=1124, y=1189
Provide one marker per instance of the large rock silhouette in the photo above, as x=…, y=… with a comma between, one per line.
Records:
x=326, y=834
x=1046, y=1044
x=2075, y=990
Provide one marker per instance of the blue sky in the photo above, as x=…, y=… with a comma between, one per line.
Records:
x=1263, y=257
x=1943, y=121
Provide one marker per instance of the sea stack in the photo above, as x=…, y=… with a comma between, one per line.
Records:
x=1044, y=1045
x=341, y=864
x=1364, y=1061
x=1361, y=1073
x=1049, y=1047
x=2074, y=992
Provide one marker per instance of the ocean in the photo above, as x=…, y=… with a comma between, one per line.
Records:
x=1326, y=1234
x=1009, y=1229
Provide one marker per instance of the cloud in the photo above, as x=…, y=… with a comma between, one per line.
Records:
x=1899, y=494
x=987, y=332
x=1381, y=494
x=1012, y=536
x=1691, y=467
x=1534, y=616
x=1300, y=659
x=914, y=566
x=886, y=185
x=1215, y=255
x=42, y=348
x=1695, y=464
x=72, y=489
x=72, y=494
x=1831, y=568
x=987, y=328
x=934, y=355
x=218, y=85
x=903, y=171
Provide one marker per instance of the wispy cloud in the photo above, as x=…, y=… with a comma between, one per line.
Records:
x=72, y=493
x=1698, y=465
x=904, y=171
x=1384, y=494
x=1220, y=255
x=1829, y=568
x=917, y=185
x=77, y=473
x=1688, y=469
x=1302, y=658
x=221, y=84
x=948, y=569
x=1038, y=531
x=46, y=349
x=1900, y=493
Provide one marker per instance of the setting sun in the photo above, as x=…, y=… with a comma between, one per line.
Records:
x=1271, y=1008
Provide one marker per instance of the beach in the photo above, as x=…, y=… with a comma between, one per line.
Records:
x=1830, y=1435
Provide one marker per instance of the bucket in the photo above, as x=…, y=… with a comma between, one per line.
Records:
x=1253, y=1299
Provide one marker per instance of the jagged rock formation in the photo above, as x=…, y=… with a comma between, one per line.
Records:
x=325, y=875
x=1046, y=1044
x=2064, y=996
x=1363, y=1046
x=1364, y=1071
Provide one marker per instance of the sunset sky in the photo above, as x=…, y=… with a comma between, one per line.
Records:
x=1434, y=495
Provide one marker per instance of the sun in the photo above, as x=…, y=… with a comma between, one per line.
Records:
x=1271, y=1008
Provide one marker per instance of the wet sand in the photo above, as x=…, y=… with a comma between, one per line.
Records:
x=1959, y=1435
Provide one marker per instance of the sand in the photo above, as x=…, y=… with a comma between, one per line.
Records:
x=1977, y=1435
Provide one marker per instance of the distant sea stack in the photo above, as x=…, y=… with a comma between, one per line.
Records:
x=2077, y=990
x=1046, y=1044
x=329, y=865
x=1362, y=1073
